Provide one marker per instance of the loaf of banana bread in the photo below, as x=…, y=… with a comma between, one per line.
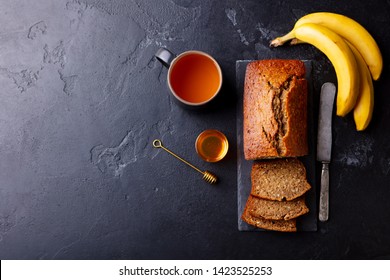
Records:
x=275, y=109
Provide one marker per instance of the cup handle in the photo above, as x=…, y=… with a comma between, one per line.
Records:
x=164, y=56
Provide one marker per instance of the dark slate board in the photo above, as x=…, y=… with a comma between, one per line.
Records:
x=307, y=222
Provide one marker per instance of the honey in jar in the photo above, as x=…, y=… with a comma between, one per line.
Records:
x=211, y=145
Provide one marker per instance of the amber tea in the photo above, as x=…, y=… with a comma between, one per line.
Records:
x=195, y=78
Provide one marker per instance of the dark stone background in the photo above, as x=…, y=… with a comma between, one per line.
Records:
x=82, y=98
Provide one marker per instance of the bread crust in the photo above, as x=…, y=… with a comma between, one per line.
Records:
x=275, y=109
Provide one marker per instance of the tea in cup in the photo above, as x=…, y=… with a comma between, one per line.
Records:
x=194, y=77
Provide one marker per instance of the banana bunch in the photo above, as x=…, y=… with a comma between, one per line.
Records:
x=353, y=53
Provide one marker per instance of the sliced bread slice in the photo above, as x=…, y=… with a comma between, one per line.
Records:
x=275, y=225
x=279, y=179
x=276, y=210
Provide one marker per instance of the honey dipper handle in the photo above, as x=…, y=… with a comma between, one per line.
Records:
x=158, y=144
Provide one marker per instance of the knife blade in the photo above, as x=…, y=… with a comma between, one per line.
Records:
x=324, y=144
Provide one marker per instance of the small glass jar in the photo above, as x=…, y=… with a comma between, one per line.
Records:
x=211, y=145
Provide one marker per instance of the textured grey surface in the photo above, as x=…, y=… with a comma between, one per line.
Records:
x=82, y=98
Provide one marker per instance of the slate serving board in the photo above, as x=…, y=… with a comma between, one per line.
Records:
x=307, y=222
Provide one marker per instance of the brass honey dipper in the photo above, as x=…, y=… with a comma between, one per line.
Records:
x=207, y=175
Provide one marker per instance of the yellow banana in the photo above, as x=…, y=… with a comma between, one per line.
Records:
x=349, y=29
x=342, y=58
x=364, y=107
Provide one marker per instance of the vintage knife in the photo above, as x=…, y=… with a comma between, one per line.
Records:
x=324, y=144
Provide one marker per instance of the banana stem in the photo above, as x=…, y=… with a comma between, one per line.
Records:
x=281, y=40
x=296, y=41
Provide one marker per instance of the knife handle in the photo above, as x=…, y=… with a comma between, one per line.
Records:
x=324, y=193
